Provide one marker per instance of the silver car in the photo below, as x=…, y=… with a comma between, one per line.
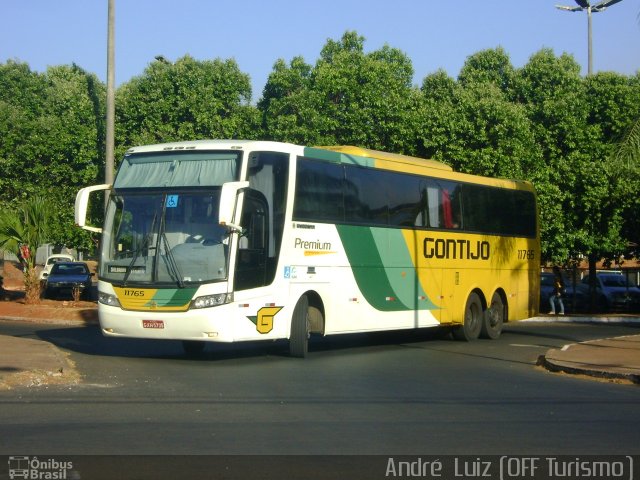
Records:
x=615, y=293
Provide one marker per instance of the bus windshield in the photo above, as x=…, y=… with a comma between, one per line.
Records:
x=170, y=237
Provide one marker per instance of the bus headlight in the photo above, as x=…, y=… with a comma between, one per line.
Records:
x=207, y=301
x=108, y=299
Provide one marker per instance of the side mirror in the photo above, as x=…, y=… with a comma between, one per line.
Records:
x=82, y=205
x=228, y=203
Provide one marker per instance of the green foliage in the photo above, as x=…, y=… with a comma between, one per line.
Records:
x=489, y=67
x=22, y=231
x=52, y=140
x=625, y=162
x=576, y=138
x=29, y=225
x=185, y=100
x=289, y=104
x=348, y=97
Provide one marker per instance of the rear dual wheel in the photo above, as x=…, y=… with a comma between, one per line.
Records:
x=493, y=318
x=478, y=322
x=472, y=322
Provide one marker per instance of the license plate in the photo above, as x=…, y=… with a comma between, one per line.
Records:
x=152, y=324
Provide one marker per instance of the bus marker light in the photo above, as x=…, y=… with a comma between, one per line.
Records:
x=243, y=305
x=390, y=299
x=212, y=334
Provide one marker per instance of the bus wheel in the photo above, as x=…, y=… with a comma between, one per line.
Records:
x=193, y=348
x=493, y=318
x=299, y=336
x=470, y=329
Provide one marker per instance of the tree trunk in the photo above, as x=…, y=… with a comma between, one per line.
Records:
x=31, y=286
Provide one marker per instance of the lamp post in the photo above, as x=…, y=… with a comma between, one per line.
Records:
x=586, y=5
x=111, y=109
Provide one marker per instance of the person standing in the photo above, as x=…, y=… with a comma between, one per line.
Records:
x=558, y=291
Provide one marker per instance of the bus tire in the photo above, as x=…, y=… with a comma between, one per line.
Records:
x=299, y=336
x=493, y=318
x=472, y=323
x=193, y=348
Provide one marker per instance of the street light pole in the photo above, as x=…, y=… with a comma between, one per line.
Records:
x=589, y=43
x=111, y=109
x=586, y=5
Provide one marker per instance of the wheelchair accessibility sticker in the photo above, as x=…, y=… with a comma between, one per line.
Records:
x=172, y=201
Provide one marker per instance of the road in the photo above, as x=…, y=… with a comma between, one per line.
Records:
x=373, y=394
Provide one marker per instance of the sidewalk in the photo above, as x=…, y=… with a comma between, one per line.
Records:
x=611, y=358
x=616, y=359
x=28, y=362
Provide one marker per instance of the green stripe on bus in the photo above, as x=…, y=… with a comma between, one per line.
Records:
x=338, y=157
x=401, y=274
x=391, y=288
x=173, y=297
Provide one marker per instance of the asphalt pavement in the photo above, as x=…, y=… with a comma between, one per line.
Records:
x=30, y=362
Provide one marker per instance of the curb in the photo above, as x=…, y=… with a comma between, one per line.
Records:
x=48, y=321
x=612, y=320
x=560, y=367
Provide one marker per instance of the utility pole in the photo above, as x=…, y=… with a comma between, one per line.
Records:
x=586, y=5
x=589, y=42
x=111, y=107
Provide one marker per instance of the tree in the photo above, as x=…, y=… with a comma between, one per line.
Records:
x=553, y=94
x=21, y=232
x=491, y=66
x=185, y=100
x=289, y=105
x=576, y=119
x=438, y=116
x=615, y=110
x=52, y=136
x=625, y=162
x=348, y=97
x=473, y=125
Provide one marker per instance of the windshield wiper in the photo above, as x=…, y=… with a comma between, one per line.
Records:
x=171, y=262
x=168, y=256
x=139, y=250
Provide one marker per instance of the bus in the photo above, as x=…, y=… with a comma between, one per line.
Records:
x=228, y=241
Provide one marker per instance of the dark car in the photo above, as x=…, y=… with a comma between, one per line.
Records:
x=576, y=298
x=67, y=276
x=615, y=293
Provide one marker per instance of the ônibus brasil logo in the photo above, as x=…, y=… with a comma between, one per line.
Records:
x=33, y=468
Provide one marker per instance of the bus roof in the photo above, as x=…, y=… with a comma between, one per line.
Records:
x=392, y=157
x=342, y=153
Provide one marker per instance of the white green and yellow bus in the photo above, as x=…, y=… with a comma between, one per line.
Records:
x=228, y=241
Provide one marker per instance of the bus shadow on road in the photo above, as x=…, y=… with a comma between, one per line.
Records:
x=88, y=340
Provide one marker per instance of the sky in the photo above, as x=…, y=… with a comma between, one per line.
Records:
x=433, y=34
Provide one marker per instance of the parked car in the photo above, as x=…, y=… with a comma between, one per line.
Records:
x=67, y=276
x=615, y=293
x=576, y=298
x=52, y=260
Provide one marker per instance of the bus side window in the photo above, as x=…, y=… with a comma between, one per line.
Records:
x=439, y=205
